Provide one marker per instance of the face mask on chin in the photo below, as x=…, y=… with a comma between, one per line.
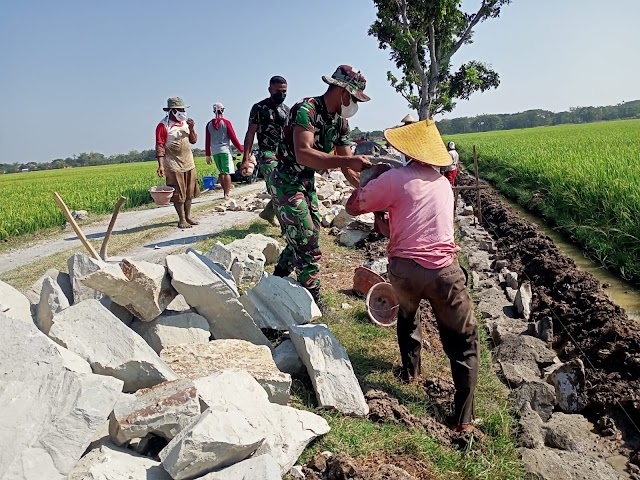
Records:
x=348, y=111
x=180, y=116
x=278, y=97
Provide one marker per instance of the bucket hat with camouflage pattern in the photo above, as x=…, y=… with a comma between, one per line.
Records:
x=175, y=102
x=351, y=80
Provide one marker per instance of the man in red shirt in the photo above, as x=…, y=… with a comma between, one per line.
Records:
x=422, y=257
x=219, y=136
x=174, y=136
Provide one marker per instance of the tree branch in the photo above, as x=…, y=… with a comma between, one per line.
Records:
x=402, y=5
x=479, y=15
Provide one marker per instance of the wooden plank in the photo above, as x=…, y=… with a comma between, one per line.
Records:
x=75, y=226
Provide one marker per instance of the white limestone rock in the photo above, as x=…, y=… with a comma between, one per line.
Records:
x=52, y=301
x=262, y=467
x=569, y=382
x=81, y=265
x=212, y=298
x=330, y=369
x=522, y=301
x=349, y=237
x=143, y=288
x=110, y=347
x=287, y=359
x=200, y=360
x=342, y=218
x=164, y=410
x=14, y=304
x=173, y=329
x=214, y=441
x=49, y=413
x=61, y=278
x=287, y=431
x=278, y=303
x=109, y=462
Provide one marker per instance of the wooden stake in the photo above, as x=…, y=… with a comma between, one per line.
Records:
x=75, y=226
x=107, y=236
x=475, y=166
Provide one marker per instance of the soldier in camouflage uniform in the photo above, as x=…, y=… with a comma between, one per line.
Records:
x=267, y=118
x=316, y=126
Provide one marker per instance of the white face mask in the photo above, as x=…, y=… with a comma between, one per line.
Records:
x=348, y=111
x=180, y=116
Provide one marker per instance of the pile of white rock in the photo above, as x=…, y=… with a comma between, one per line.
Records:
x=145, y=371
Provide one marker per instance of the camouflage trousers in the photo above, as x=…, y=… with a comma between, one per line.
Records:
x=266, y=164
x=297, y=210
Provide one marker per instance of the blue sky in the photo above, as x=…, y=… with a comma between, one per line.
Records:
x=80, y=75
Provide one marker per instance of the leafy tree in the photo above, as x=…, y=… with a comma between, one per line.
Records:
x=423, y=36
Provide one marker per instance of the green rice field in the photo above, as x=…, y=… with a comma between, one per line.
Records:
x=583, y=179
x=29, y=206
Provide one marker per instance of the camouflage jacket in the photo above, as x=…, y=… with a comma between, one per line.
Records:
x=330, y=130
x=270, y=119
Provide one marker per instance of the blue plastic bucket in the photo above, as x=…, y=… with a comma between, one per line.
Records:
x=209, y=182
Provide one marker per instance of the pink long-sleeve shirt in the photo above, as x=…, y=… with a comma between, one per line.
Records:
x=420, y=205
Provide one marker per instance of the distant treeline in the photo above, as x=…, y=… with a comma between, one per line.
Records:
x=539, y=118
x=480, y=123
x=86, y=159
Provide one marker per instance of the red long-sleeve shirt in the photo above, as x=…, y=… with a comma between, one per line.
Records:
x=214, y=129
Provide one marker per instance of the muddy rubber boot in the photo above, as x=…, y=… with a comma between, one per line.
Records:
x=269, y=214
x=281, y=272
x=315, y=293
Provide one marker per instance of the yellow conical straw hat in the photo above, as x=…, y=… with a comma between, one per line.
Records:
x=408, y=118
x=421, y=141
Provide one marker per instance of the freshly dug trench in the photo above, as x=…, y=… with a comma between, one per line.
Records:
x=586, y=324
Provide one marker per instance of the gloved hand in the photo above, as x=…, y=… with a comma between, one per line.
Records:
x=209, y=160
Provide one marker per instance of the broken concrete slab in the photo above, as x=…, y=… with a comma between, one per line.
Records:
x=349, y=237
x=61, y=278
x=81, y=265
x=569, y=432
x=213, y=441
x=122, y=313
x=524, y=350
x=550, y=464
x=51, y=413
x=511, y=279
x=287, y=430
x=248, y=271
x=342, y=218
x=212, y=298
x=173, y=329
x=287, y=359
x=515, y=374
x=216, y=269
x=500, y=327
x=530, y=434
x=221, y=255
x=164, y=410
x=538, y=394
x=569, y=383
x=143, y=288
x=109, y=462
x=111, y=348
x=278, y=303
x=200, y=360
x=378, y=265
x=52, y=301
x=179, y=304
x=262, y=467
x=523, y=299
x=14, y=304
x=268, y=247
x=330, y=369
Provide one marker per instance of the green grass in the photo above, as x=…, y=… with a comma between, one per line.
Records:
x=582, y=178
x=28, y=205
x=373, y=352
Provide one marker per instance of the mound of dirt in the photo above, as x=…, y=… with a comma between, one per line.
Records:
x=375, y=467
x=586, y=323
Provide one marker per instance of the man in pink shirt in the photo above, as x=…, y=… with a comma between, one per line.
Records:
x=422, y=257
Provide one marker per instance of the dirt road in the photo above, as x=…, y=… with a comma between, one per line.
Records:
x=140, y=219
